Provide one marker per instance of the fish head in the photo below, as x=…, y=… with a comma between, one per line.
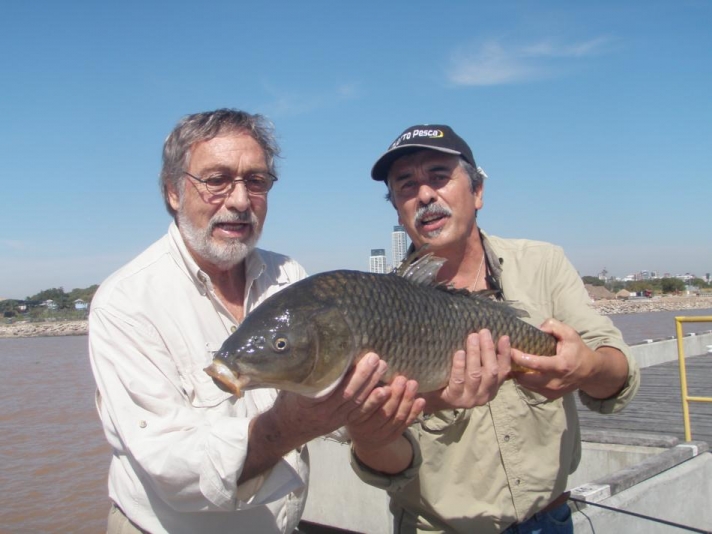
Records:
x=303, y=348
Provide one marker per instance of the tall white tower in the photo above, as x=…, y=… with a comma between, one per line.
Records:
x=377, y=263
x=399, y=245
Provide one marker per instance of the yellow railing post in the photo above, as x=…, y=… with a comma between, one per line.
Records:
x=686, y=399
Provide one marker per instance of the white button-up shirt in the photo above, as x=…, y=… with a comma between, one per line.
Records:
x=179, y=442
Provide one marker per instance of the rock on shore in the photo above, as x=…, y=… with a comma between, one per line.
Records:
x=48, y=328
x=655, y=304
x=606, y=307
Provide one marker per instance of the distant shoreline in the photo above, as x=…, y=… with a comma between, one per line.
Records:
x=45, y=329
x=655, y=304
x=606, y=307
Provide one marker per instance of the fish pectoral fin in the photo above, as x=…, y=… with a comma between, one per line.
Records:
x=327, y=390
x=333, y=351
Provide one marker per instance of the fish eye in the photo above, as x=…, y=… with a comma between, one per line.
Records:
x=280, y=344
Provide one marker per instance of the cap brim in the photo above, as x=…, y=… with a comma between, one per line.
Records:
x=380, y=169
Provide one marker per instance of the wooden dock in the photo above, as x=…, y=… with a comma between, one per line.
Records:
x=657, y=408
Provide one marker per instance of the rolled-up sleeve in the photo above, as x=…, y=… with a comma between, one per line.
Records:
x=389, y=483
x=572, y=305
x=624, y=396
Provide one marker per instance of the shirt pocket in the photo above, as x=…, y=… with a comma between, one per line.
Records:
x=530, y=397
x=201, y=389
x=442, y=421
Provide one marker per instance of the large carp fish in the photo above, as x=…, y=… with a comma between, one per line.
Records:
x=305, y=338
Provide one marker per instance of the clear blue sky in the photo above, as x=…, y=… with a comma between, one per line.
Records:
x=593, y=121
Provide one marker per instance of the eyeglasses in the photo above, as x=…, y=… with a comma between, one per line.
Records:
x=256, y=183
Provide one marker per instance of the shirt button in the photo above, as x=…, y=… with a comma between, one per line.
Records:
x=233, y=328
x=517, y=482
x=506, y=438
x=142, y=424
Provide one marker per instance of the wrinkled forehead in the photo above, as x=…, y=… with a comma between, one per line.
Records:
x=423, y=160
x=227, y=143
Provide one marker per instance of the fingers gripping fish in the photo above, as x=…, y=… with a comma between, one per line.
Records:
x=305, y=338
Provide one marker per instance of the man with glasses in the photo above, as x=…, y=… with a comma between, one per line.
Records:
x=497, y=458
x=187, y=456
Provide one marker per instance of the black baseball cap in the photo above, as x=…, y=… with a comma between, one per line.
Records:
x=432, y=136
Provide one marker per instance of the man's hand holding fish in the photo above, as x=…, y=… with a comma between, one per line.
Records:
x=476, y=374
x=575, y=366
x=377, y=433
x=374, y=416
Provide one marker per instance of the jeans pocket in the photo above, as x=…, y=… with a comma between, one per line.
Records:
x=559, y=520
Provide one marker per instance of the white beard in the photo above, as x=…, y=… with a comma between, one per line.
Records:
x=222, y=255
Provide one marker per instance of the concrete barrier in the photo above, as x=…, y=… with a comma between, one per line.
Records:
x=672, y=487
x=616, y=470
x=656, y=352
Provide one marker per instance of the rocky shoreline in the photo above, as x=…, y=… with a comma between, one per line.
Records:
x=655, y=304
x=606, y=307
x=48, y=328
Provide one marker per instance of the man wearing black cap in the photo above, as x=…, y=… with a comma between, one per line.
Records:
x=495, y=458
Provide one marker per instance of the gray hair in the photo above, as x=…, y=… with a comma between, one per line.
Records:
x=476, y=174
x=204, y=126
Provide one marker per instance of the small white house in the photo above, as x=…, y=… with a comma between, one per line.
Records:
x=49, y=304
x=79, y=304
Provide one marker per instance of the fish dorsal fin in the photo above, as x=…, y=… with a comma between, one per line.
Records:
x=420, y=267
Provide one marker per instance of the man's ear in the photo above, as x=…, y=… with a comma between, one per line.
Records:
x=173, y=196
x=479, y=197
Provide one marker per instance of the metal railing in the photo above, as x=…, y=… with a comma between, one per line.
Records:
x=686, y=398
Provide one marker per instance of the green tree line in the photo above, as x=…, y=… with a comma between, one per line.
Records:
x=62, y=299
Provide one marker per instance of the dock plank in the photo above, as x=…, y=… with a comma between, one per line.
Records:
x=657, y=408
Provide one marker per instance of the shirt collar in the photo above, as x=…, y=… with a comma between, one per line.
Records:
x=494, y=265
x=254, y=262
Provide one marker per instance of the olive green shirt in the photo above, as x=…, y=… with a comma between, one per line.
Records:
x=482, y=469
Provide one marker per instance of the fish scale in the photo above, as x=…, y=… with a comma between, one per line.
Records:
x=408, y=323
x=307, y=336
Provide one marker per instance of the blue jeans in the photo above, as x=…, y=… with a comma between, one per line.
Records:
x=556, y=521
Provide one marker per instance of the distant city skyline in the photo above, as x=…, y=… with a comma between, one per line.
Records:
x=399, y=248
x=653, y=275
x=399, y=245
x=377, y=261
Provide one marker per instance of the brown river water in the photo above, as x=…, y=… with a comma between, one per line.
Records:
x=53, y=455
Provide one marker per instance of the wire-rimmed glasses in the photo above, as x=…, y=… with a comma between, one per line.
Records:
x=256, y=183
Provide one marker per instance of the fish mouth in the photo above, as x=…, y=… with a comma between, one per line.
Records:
x=227, y=379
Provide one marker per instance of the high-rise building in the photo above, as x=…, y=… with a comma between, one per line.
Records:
x=399, y=245
x=377, y=263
